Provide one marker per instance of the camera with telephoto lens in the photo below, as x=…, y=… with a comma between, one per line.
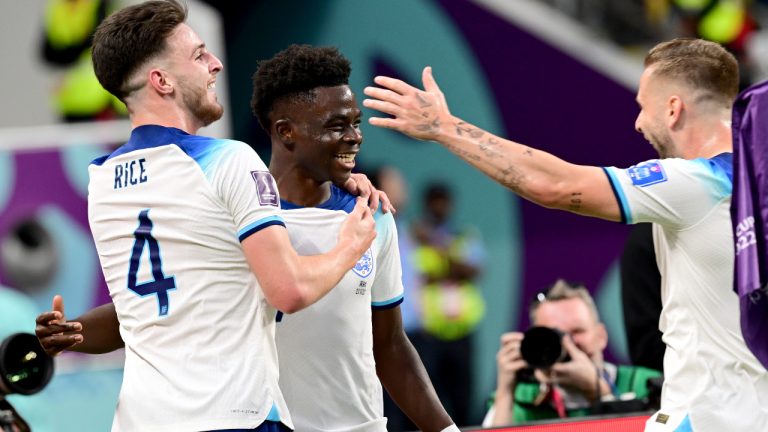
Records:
x=542, y=347
x=25, y=369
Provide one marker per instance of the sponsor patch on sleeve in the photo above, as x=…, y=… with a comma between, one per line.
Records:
x=647, y=174
x=266, y=188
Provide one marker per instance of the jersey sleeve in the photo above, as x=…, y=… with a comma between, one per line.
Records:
x=387, y=288
x=247, y=189
x=676, y=193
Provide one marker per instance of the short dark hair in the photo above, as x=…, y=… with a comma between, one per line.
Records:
x=437, y=191
x=700, y=64
x=125, y=40
x=294, y=73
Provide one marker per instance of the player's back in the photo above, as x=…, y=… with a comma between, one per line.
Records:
x=166, y=211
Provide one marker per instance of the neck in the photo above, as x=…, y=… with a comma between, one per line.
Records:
x=296, y=186
x=708, y=138
x=166, y=114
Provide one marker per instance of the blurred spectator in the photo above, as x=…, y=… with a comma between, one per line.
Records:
x=571, y=386
x=727, y=22
x=68, y=29
x=641, y=298
x=448, y=260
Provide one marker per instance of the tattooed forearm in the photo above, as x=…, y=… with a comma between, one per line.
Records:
x=463, y=128
x=511, y=177
x=468, y=156
x=575, y=204
x=488, y=147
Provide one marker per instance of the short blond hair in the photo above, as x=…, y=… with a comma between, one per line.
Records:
x=701, y=65
x=564, y=290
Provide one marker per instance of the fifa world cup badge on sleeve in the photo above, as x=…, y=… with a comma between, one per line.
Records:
x=648, y=173
x=266, y=188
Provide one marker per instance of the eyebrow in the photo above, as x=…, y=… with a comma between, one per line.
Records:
x=198, y=48
x=334, y=117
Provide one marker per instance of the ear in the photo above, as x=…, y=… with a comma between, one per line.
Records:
x=602, y=336
x=674, y=112
x=283, y=130
x=159, y=81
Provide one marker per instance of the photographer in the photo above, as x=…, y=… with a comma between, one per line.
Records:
x=579, y=378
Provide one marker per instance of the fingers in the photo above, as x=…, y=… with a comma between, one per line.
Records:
x=510, y=348
x=383, y=106
x=386, y=205
x=430, y=84
x=571, y=348
x=395, y=85
x=511, y=336
x=58, y=305
x=351, y=186
x=373, y=200
x=46, y=318
x=42, y=330
x=361, y=210
x=55, y=344
x=383, y=94
x=366, y=190
x=386, y=123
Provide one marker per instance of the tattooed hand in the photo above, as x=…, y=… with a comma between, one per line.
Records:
x=417, y=113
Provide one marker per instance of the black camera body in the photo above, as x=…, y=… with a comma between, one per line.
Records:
x=25, y=369
x=542, y=347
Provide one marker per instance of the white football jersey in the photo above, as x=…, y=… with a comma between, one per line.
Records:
x=328, y=373
x=168, y=211
x=710, y=374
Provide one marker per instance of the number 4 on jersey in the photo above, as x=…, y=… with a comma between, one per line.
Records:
x=161, y=284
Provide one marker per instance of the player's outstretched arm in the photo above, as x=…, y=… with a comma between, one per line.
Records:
x=95, y=332
x=533, y=174
x=292, y=282
x=403, y=375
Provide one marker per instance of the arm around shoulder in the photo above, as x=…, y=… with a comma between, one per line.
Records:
x=291, y=282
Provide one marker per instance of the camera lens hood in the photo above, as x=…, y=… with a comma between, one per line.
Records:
x=25, y=368
x=542, y=347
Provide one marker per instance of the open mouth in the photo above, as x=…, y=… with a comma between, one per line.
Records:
x=346, y=159
x=212, y=85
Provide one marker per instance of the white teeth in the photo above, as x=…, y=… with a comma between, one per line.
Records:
x=211, y=85
x=346, y=157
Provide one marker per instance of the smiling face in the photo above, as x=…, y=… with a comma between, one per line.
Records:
x=194, y=70
x=651, y=122
x=326, y=134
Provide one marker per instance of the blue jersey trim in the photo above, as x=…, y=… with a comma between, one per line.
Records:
x=99, y=161
x=722, y=166
x=618, y=192
x=339, y=200
x=266, y=426
x=259, y=225
x=197, y=147
x=274, y=414
x=387, y=304
x=685, y=425
x=144, y=137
